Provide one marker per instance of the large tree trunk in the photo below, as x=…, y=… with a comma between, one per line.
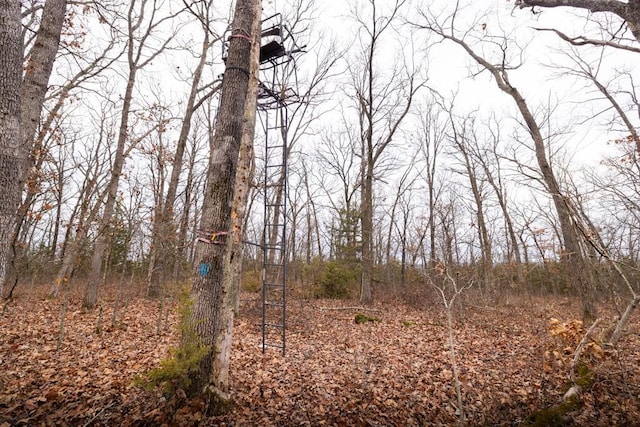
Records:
x=244, y=175
x=211, y=318
x=572, y=255
x=11, y=156
x=32, y=94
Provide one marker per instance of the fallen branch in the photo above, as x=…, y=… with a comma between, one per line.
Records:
x=88, y=423
x=349, y=308
x=485, y=307
x=624, y=319
x=576, y=355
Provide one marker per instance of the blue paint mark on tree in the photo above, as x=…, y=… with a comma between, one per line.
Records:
x=204, y=268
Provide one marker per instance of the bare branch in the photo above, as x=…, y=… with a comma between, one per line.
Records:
x=585, y=41
x=613, y=6
x=628, y=11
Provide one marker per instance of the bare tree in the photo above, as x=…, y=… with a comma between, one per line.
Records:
x=383, y=102
x=489, y=159
x=311, y=216
x=340, y=181
x=163, y=241
x=400, y=203
x=461, y=137
x=572, y=253
x=406, y=207
x=301, y=116
x=481, y=144
x=37, y=72
x=189, y=202
x=450, y=289
x=618, y=187
x=142, y=23
x=90, y=192
x=50, y=124
x=432, y=133
x=619, y=100
x=33, y=89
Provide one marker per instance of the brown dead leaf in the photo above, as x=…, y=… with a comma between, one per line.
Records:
x=333, y=374
x=52, y=395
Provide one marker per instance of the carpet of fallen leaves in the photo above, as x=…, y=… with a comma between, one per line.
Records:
x=393, y=372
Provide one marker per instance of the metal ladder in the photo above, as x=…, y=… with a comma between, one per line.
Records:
x=274, y=265
x=275, y=93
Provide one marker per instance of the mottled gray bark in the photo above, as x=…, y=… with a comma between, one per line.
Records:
x=212, y=292
x=33, y=89
x=244, y=175
x=36, y=75
x=11, y=156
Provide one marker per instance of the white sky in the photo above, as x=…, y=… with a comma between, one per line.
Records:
x=448, y=68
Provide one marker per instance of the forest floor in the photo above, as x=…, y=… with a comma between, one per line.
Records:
x=395, y=371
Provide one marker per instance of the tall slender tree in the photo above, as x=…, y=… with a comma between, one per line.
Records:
x=163, y=253
x=383, y=102
x=461, y=129
x=431, y=134
x=143, y=23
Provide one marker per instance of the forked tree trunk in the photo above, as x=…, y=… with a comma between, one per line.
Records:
x=244, y=176
x=213, y=291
